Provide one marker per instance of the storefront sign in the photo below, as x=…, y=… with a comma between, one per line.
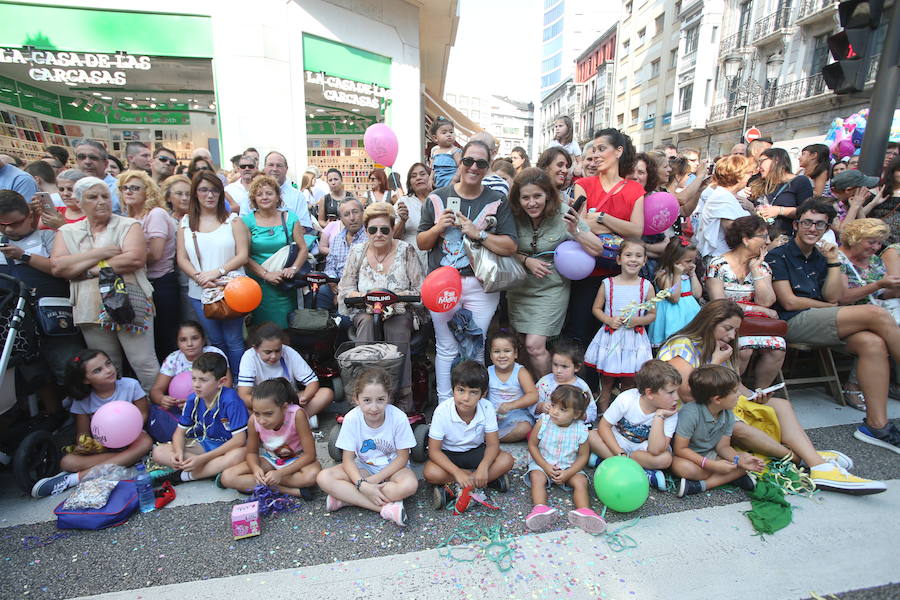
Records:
x=345, y=91
x=75, y=68
x=122, y=117
x=38, y=100
x=8, y=91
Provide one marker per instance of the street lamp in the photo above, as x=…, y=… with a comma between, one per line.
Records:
x=773, y=70
x=746, y=109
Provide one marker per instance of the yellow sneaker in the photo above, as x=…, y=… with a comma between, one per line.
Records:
x=838, y=479
x=838, y=458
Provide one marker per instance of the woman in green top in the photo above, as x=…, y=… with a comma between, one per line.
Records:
x=272, y=228
x=537, y=307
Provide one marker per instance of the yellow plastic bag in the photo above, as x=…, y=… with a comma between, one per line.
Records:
x=760, y=416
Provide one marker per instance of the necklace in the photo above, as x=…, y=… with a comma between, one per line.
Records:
x=380, y=266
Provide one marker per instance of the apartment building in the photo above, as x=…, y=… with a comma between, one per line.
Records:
x=663, y=77
x=563, y=100
x=594, y=76
x=769, y=75
x=510, y=121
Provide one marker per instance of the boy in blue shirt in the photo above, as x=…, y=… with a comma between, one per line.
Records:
x=215, y=419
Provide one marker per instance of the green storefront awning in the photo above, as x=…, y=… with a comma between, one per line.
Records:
x=104, y=31
x=336, y=59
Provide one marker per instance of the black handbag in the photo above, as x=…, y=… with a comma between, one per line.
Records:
x=55, y=316
x=114, y=294
x=289, y=285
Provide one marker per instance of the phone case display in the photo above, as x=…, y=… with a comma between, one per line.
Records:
x=347, y=155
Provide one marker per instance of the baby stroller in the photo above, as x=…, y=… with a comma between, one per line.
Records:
x=26, y=442
x=353, y=357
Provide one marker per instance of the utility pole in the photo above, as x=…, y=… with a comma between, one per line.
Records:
x=884, y=100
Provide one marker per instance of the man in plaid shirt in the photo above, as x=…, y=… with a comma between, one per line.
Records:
x=350, y=212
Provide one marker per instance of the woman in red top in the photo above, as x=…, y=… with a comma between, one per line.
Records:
x=614, y=205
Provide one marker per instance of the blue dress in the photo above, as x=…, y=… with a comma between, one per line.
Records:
x=444, y=168
x=672, y=317
x=500, y=391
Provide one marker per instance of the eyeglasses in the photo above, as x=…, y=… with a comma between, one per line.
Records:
x=480, y=163
x=206, y=190
x=762, y=236
x=810, y=224
x=15, y=223
x=131, y=188
x=203, y=168
x=166, y=159
x=93, y=157
x=384, y=230
x=246, y=166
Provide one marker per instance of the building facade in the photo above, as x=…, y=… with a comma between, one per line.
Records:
x=664, y=73
x=511, y=122
x=563, y=100
x=770, y=75
x=594, y=75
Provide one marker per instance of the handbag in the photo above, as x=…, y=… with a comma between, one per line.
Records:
x=213, y=299
x=114, y=295
x=606, y=260
x=310, y=319
x=286, y=255
x=496, y=273
x=122, y=502
x=760, y=324
x=55, y=316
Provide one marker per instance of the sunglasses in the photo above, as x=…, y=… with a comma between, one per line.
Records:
x=246, y=166
x=203, y=168
x=93, y=157
x=167, y=160
x=384, y=230
x=480, y=163
x=131, y=188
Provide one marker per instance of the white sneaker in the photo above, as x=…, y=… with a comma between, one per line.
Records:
x=314, y=422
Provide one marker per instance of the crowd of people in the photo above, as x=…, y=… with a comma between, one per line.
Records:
x=760, y=257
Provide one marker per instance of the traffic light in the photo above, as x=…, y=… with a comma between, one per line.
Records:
x=851, y=48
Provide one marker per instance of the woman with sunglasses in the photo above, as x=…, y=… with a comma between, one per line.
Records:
x=271, y=229
x=449, y=214
x=140, y=200
x=382, y=263
x=537, y=308
x=238, y=192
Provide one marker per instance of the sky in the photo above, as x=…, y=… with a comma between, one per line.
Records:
x=498, y=49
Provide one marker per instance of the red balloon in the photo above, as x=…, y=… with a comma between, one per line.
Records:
x=243, y=294
x=442, y=289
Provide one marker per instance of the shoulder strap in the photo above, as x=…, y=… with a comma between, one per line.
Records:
x=287, y=238
x=610, y=280
x=615, y=190
x=197, y=250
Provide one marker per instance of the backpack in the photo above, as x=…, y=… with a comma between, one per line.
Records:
x=122, y=502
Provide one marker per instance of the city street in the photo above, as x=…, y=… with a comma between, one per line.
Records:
x=697, y=547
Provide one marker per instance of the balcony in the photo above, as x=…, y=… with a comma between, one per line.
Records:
x=734, y=42
x=774, y=97
x=667, y=118
x=650, y=123
x=769, y=29
x=814, y=11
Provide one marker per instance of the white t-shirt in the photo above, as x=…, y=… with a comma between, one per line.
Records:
x=376, y=447
x=176, y=362
x=455, y=434
x=630, y=424
x=240, y=195
x=127, y=390
x=292, y=367
x=320, y=189
x=572, y=147
x=715, y=204
x=547, y=384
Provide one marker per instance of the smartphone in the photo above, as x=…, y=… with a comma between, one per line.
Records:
x=44, y=200
x=576, y=207
x=710, y=169
x=453, y=204
x=4, y=241
x=767, y=390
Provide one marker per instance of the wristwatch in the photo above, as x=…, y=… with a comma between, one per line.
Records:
x=25, y=258
x=482, y=235
x=600, y=217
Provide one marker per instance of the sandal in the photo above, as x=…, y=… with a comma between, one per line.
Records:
x=854, y=399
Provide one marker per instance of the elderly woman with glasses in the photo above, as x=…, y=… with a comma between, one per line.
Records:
x=382, y=263
x=742, y=275
x=106, y=239
x=141, y=201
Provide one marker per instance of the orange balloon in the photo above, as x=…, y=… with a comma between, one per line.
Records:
x=243, y=294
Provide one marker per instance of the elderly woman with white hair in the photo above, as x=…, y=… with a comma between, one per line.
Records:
x=104, y=238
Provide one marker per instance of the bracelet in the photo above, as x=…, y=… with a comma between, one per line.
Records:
x=762, y=277
x=359, y=482
x=736, y=459
x=703, y=463
x=830, y=265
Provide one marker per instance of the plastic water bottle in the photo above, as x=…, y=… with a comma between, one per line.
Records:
x=144, y=489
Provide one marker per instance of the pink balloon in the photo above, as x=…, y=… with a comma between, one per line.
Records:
x=116, y=424
x=181, y=385
x=845, y=147
x=572, y=261
x=660, y=211
x=381, y=144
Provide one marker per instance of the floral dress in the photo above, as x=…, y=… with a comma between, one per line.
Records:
x=742, y=291
x=857, y=277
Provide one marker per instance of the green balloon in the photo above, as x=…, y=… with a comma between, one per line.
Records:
x=621, y=484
